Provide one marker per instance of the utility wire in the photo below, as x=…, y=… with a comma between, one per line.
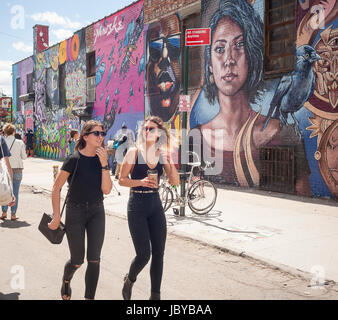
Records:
x=10, y=35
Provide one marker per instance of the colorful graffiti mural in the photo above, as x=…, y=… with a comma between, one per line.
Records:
x=53, y=121
x=24, y=72
x=163, y=78
x=236, y=112
x=51, y=137
x=5, y=109
x=119, y=48
x=75, y=68
x=317, y=27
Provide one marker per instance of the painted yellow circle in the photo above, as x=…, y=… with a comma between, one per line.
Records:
x=63, y=52
x=75, y=46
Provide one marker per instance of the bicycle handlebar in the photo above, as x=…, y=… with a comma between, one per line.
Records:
x=198, y=163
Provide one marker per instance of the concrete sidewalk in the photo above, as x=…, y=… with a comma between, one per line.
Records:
x=296, y=235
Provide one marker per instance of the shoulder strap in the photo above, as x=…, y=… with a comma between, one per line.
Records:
x=71, y=182
x=12, y=145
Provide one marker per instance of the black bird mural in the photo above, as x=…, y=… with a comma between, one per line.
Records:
x=294, y=89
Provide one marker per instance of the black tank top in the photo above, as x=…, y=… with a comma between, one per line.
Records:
x=141, y=168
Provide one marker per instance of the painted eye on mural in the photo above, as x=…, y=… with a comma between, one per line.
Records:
x=219, y=49
x=172, y=44
x=154, y=51
x=239, y=45
x=307, y=56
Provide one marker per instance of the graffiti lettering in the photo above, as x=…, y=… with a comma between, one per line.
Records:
x=109, y=29
x=39, y=104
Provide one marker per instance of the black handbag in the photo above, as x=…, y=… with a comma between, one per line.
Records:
x=55, y=236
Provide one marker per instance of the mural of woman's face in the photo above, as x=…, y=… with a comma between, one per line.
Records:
x=228, y=65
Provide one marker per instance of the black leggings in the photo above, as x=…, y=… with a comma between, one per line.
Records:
x=79, y=220
x=148, y=229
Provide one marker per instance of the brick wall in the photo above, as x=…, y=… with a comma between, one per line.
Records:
x=156, y=9
x=90, y=38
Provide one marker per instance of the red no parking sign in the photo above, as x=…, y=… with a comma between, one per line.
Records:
x=197, y=37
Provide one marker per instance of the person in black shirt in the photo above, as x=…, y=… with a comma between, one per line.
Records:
x=29, y=143
x=146, y=219
x=84, y=209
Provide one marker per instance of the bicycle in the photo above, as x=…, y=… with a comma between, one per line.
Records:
x=200, y=194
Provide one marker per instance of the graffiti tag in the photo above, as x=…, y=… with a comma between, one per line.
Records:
x=107, y=30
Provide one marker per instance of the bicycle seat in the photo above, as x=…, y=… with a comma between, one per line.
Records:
x=183, y=174
x=194, y=164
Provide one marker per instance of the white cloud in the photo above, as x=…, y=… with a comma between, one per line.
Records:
x=20, y=46
x=62, y=34
x=54, y=19
x=6, y=77
x=6, y=65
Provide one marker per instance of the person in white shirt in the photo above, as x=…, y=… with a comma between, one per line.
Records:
x=18, y=153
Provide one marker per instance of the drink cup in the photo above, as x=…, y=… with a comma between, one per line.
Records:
x=153, y=175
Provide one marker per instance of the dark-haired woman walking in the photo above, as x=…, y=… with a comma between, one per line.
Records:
x=84, y=209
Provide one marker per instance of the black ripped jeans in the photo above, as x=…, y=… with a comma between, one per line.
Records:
x=148, y=229
x=81, y=219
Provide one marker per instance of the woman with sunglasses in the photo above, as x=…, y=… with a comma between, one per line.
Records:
x=146, y=219
x=84, y=209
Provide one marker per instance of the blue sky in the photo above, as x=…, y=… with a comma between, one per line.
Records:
x=18, y=17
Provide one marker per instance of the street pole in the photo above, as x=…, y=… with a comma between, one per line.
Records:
x=184, y=127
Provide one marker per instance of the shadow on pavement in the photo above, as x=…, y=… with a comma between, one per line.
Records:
x=315, y=200
x=9, y=296
x=210, y=219
x=14, y=224
x=173, y=219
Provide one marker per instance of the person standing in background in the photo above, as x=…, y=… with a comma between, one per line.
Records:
x=17, y=150
x=29, y=143
x=18, y=136
x=124, y=137
x=74, y=135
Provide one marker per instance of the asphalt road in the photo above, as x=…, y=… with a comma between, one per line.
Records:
x=31, y=268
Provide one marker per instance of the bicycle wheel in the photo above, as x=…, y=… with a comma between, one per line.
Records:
x=202, y=197
x=166, y=196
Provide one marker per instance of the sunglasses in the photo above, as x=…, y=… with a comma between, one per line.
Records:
x=97, y=133
x=173, y=46
x=150, y=129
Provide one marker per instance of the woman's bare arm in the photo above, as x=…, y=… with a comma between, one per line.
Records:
x=56, y=191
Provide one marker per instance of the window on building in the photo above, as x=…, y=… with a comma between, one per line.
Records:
x=62, y=87
x=29, y=82
x=280, y=36
x=90, y=63
x=194, y=68
x=91, y=77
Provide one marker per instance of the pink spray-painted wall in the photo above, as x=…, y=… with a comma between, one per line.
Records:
x=119, y=54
